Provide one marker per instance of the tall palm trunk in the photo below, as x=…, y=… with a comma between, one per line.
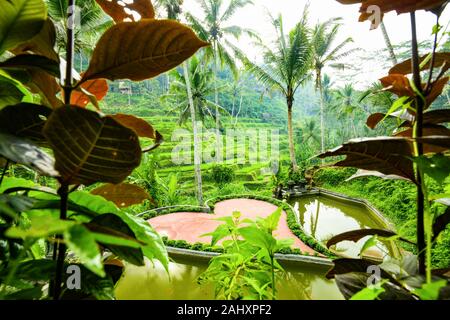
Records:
x=216, y=101
x=322, y=112
x=197, y=143
x=239, y=111
x=233, y=105
x=388, y=42
x=290, y=102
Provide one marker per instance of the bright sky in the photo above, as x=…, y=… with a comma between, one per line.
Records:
x=255, y=17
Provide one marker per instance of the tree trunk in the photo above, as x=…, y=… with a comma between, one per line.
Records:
x=197, y=143
x=216, y=101
x=239, y=111
x=294, y=166
x=388, y=42
x=322, y=113
x=233, y=105
x=168, y=81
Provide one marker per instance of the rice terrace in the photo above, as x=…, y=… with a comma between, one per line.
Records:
x=224, y=150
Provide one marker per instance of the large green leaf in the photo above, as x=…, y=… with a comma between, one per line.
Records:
x=437, y=167
x=430, y=291
x=117, y=236
x=369, y=293
x=32, y=62
x=151, y=243
x=40, y=227
x=12, y=206
x=81, y=241
x=24, y=120
x=92, y=202
x=25, y=152
x=441, y=223
x=20, y=20
x=90, y=148
x=351, y=284
x=43, y=43
x=92, y=284
x=9, y=92
x=154, y=247
x=258, y=238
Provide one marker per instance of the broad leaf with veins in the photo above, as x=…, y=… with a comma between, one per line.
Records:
x=90, y=148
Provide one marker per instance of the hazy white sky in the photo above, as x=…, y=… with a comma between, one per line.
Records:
x=255, y=17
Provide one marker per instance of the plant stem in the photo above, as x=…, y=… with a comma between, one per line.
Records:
x=69, y=53
x=61, y=247
x=5, y=168
x=60, y=253
x=418, y=132
x=273, y=277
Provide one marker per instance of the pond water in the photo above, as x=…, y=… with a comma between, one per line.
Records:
x=152, y=283
x=323, y=216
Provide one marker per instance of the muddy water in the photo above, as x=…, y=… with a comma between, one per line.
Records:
x=152, y=282
x=323, y=217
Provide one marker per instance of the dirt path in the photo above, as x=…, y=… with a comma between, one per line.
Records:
x=190, y=226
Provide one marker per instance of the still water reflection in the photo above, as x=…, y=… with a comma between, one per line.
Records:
x=152, y=283
x=324, y=217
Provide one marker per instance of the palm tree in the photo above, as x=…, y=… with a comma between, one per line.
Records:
x=325, y=53
x=309, y=132
x=285, y=67
x=173, y=10
x=347, y=106
x=171, y=7
x=93, y=22
x=388, y=42
x=214, y=29
x=201, y=88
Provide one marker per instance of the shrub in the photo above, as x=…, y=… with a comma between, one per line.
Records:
x=222, y=175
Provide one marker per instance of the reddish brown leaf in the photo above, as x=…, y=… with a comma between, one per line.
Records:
x=374, y=120
x=364, y=173
x=442, y=143
x=123, y=194
x=140, y=126
x=400, y=6
x=436, y=116
x=46, y=86
x=397, y=84
x=436, y=90
x=97, y=87
x=357, y=235
x=162, y=45
x=428, y=130
x=91, y=148
x=159, y=139
x=383, y=154
x=406, y=66
x=121, y=10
